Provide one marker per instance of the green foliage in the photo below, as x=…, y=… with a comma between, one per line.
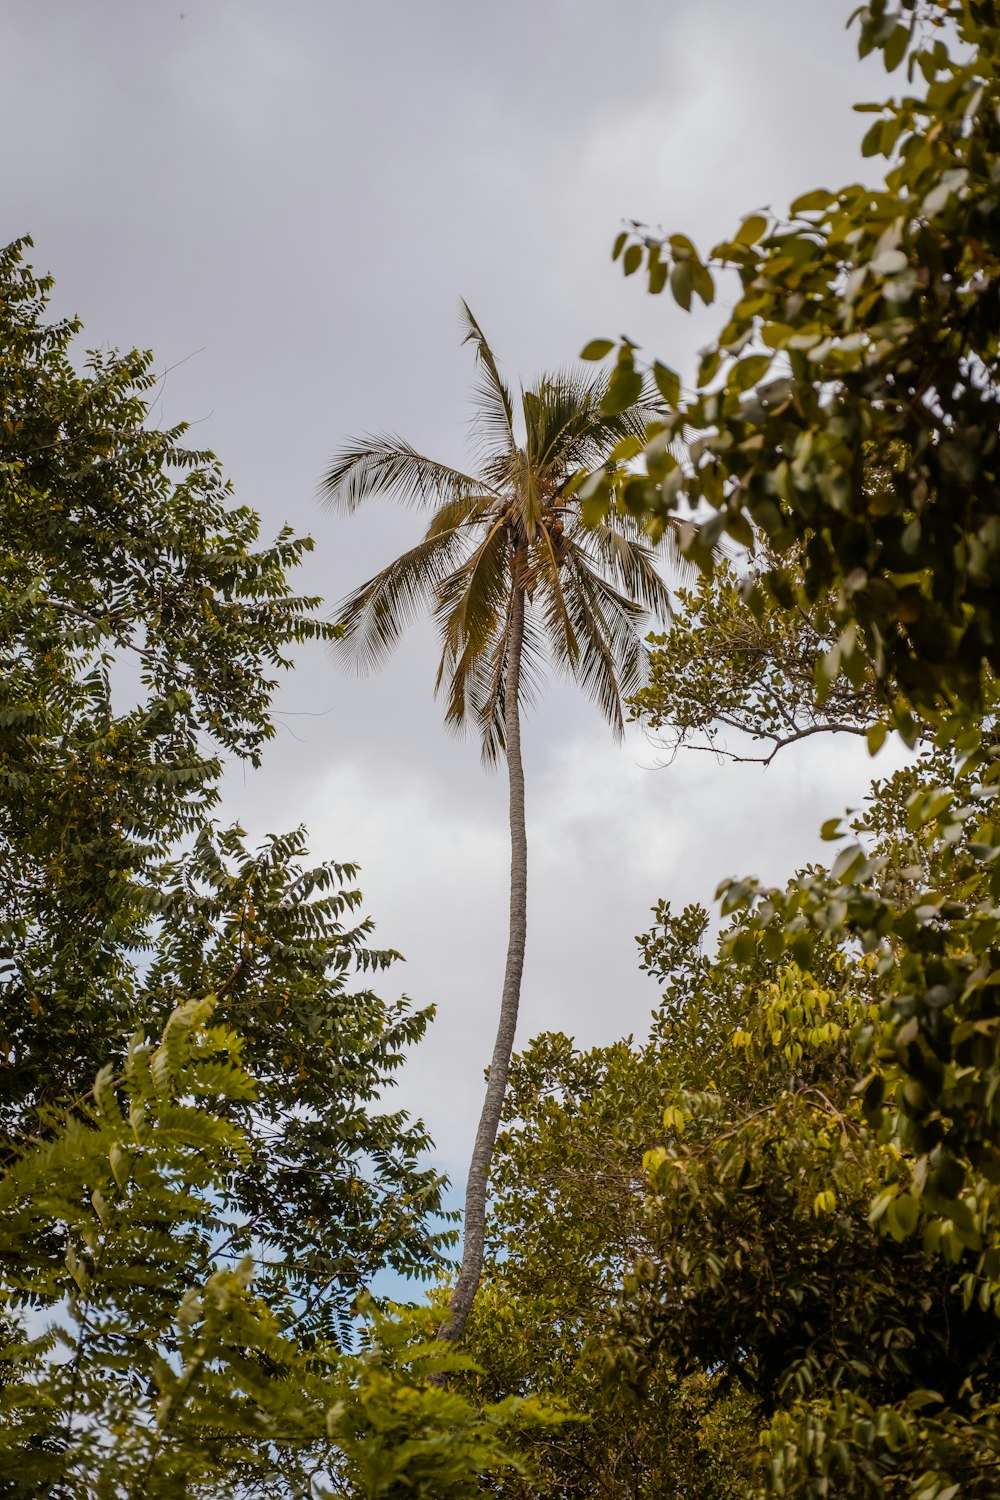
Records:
x=513, y=526
x=108, y=921
x=334, y=1188
x=569, y=1220
x=140, y=628
x=402, y=1431
x=863, y=1357
x=847, y=412
x=184, y=1242
x=145, y=1364
x=921, y=899
x=848, y=406
x=149, y=1364
x=721, y=667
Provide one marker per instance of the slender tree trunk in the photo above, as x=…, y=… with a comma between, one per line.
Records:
x=496, y=1088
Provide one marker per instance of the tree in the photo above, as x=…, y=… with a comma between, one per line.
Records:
x=568, y=1222
x=509, y=572
x=848, y=410
x=782, y=1250
x=720, y=668
x=869, y=462
x=140, y=630
x=152, y=1364
x=335, y=1185
x=198, y=1174
x=848, y=407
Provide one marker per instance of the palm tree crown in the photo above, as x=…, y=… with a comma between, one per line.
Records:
x=510, y=574
x=511, y=527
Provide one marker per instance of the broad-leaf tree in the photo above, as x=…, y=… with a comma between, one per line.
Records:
x=849, y=411
x=743, y=686
x=141, y=627
x=151, y=1365
x=848, y=408
x=512, y=579
x=780, y=1252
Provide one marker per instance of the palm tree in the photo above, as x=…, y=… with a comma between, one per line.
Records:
x=512, y=578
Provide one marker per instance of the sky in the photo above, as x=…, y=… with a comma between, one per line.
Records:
x=286, y=202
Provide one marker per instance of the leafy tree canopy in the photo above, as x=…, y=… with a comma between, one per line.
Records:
x=848, y=411
x=782, y=1252
x=140, y=628
x=743, y=685
x=185, y=1240
x=568, y=1221
x=849, y=404
x=152, y=1365
x=795, y=1317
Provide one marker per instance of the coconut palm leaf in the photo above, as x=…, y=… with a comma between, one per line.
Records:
x=485, y=683
x=374, y=616
x=570, y=429
x=465, y=510
x=493, y=412
x=630, y=562
x=470, y=601
x=548, y=552
x=604, y=620
x=382, y=464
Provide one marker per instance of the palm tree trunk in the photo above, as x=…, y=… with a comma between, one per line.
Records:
x=496, y=1087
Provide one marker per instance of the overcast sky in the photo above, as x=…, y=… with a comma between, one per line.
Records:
x=286, y=201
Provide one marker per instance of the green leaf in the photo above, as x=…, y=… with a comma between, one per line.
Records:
x=739, y=528
x=751, y=230
x=902, y=1216
x=667, y=383
x=813, y=201
x=120, y=1164
x=876, y=736
x=597, y=349
x=702, y=282
x=895, y=48
x=632, y=259
x=682, y=283
x=708, y=366
x=624, y=390
x=747, y=372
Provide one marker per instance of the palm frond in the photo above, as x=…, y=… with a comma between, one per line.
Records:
x=609, y=665
x=383, y=464
x=547, y=573
x=493, y=414
x=589, y=588
x=472, y=611
x=470, y=600
x=484, y=684
x=476, y=692
x=464, y=510
x=568, y=429
x=629, y=561
x=374, y=616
